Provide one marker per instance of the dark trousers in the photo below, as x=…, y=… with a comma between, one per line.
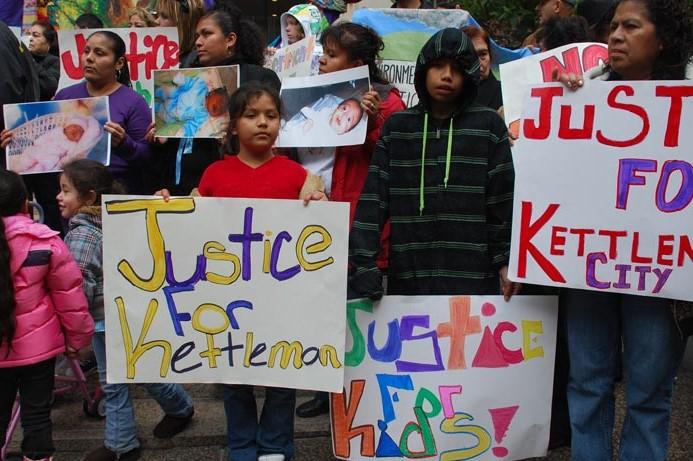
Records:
x=35, y=385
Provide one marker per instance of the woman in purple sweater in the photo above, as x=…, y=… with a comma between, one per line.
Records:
x=106, y=74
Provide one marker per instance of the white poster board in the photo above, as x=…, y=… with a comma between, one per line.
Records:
x=214, y=290
x=148, y=48
x=516, y=75
x=604, y=188
x=446, y=377
x=295, y=60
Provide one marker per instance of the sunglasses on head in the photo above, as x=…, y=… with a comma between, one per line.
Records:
x=184, y=6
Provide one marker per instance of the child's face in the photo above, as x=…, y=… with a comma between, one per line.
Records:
x=346, y=116
x=294, y=30
x=68, y=198
x=335, y=58
x=257, y=128
x=444, y=81
x=73, y=132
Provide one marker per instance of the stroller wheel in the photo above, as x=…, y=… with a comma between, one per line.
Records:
x=95, y=408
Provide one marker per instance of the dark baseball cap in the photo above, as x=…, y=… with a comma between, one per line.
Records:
x=594, y=11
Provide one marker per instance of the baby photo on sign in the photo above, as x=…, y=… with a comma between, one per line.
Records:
x=324, y=110
x=193, y=103
x=47, y=135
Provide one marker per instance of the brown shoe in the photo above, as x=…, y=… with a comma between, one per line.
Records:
x=104, y=454
x=172, y=425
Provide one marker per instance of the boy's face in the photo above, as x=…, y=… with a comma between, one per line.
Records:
x=294, y=30
x=346, y=116
x=73, y=132
x=444, y=81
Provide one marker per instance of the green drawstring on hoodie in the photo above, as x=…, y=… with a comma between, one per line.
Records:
x=448, y=158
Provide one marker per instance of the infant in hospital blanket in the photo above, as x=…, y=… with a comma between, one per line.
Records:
x=53, y=149
x=329, y=114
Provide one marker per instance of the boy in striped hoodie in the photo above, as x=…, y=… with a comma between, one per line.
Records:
x=442, y=174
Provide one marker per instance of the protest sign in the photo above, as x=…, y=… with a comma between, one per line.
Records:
x=148, y=49
x=193, y=103
x=575, y=58
x=48, y=135
x=225, y=290
x=324, y=110
x=295, y=60
x=401, y=75
x=603, y=188
x=446, y=377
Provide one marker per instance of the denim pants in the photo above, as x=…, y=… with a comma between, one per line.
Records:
x=121, y=426
x=35, y=385
x=652, y=352
x=273, y=434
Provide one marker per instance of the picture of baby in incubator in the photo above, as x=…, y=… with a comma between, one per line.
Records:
x=49, y=139
x=193, y=103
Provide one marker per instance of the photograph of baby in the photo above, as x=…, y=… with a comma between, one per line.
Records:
x=324, y=110
x=193, y=103
x=47, y=135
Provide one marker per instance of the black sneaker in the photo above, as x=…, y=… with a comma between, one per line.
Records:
x=104, y=454
x=172, y=425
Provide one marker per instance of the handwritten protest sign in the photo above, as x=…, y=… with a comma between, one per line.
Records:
x=448, y=378
x=296, y=60
x=576, y=58
x=401, y=74
x=603, y=188
x=148, y=48
x=225, y=290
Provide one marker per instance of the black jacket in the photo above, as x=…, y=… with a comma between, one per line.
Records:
x=18, y=78
x=48, y=68
x=205, y=151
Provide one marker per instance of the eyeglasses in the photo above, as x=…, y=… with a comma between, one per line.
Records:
x=184, y=6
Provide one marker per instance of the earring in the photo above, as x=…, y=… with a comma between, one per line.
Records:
x=118, y=73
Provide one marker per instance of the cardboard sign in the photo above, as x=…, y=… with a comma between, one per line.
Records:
x=148, y=49
x=604, y=188
x=296, y=60
x=447, y=378
x=576, y=58
x=225, y=291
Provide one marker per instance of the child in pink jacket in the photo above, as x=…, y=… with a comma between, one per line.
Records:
x=43, y=313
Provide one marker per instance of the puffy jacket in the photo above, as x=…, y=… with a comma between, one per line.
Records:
x=51, y=308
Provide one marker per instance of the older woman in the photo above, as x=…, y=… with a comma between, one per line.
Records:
x=489, y=91
x=42, y=37
x=139, y=17
x=649, y=40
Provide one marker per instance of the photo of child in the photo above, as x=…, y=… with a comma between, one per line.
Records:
x=47, y=135
x=193, y=103
x=324, y=110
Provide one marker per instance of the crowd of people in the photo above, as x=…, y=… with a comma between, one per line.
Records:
x=431, y=194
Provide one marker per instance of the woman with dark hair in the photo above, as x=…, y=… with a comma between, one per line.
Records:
x=649, y=40
x=489, y=90
x=106, y=74
x=42, y=39
x=559, y=31
x=223, y=37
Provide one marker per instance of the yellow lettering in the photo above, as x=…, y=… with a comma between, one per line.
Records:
x=286, y=349
x=133, y=355
x=154, y=237
x=329, y=353
x=316, y=247
x=215, y=251
x=212, y=352
x=248, y=349
x=530, y=327
x=449, y=426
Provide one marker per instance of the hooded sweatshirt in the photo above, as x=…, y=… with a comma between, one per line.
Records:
x=313, y=23
x=450, y=218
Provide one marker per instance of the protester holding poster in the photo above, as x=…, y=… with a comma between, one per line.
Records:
x=106, y=74
x=303, y=21
x=442, y=175
x=649, y=40
x=224, y=38
x=171, y=13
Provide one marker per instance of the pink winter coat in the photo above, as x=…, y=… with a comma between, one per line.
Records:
x=51, y=306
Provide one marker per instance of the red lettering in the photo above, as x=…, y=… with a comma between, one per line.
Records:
x=665, y=248
x=69, y=65
x=566, y=132
x=343, y=414
x=571, y=58
x=633, y=109
x=593, y=55
x=581, y=238
x=541, y=131
x=527, y=231
x=676, y=93
x=685, y=249
x=510, y=356
x=613, y=240
x=557, y=240
x=634, y=251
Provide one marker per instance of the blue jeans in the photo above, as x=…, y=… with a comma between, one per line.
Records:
x=121, y=426
x=273, y=434
x=652, y=351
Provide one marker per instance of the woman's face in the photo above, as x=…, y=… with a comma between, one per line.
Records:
x=163, y=20
x=98, y=60
x=212, y=45
x=484, y=56
x=136, y=21
x=335, y=58
x=633, y=42
x=37, y=41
